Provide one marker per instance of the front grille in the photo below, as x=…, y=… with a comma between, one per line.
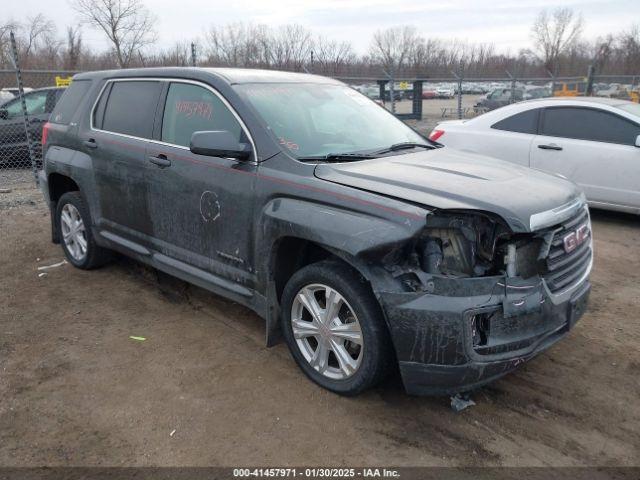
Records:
x=564, y=269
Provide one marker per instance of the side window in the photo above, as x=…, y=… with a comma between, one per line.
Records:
x=68, y=101
x=131, y=108
x=523, y=122
x=589, y=124
x=36, y=104
x=192, y=108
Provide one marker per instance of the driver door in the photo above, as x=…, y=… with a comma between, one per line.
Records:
x=594, y=148
x=200, y=207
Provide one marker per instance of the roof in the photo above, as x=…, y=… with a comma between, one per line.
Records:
x=229, y=75
x=612, y=102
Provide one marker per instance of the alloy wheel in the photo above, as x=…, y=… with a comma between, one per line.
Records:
x=73, y=232
x=327, y=331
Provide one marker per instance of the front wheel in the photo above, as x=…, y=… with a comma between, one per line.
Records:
x=334, y=328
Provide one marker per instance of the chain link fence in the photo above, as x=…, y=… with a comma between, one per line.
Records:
x=26, y=101
x=457, y=97
x=27, y=98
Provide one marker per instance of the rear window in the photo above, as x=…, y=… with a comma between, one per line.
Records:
x=70, y=101
x=131, y=108
x=523, y=122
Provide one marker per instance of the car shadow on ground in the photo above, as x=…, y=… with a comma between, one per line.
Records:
x=615, y=218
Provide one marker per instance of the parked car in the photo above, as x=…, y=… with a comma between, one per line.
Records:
x=371, y=91
x=13, y=139
x=355, y=237
x=15, y=91
x=5, y=97
x=592, y=141
x=445, y=92
x=532, y=92
x=613, y=91
x=499, y=97
x=428, y=94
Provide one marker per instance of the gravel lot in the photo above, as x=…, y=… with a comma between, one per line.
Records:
x=76, y=390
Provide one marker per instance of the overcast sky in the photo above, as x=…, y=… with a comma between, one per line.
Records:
x=505, y=23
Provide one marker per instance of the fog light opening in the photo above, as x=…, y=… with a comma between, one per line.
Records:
x=480, y=329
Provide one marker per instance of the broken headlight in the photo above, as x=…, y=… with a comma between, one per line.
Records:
x=461, y=245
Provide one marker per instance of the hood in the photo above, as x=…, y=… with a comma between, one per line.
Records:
x=450, y=179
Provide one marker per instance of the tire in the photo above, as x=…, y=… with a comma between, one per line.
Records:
x=370, y=359
x=92, y=256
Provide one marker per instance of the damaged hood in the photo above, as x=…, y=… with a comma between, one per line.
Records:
x=450, y=179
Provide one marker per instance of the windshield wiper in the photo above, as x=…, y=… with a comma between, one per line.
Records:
x=404, y=146
x=340, y=156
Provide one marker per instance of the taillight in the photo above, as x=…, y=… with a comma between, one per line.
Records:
x=45, y=133
x=435, y=135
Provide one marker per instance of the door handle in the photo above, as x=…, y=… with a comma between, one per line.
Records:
x=551, y=146
x=161, y=160
x=91, y=143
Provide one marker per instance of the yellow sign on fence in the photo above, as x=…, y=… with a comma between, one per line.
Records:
x=63, y=81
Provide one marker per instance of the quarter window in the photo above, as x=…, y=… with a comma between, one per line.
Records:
x=589, y=124
x=192, y=108
x=131, y=108
x=69, y=102
x=523, y=122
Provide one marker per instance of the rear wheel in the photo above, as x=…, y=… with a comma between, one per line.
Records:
x=74, y=225
x=334, y=328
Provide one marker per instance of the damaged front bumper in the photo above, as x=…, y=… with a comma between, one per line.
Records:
x=465, y=333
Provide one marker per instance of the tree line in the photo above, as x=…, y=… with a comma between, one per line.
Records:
x=557, y=47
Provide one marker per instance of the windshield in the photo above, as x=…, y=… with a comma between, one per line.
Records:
x=315, y=120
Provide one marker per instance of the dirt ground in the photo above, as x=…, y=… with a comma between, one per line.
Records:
x=76, y=390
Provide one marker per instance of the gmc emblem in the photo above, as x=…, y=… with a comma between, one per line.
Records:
x=573, y=240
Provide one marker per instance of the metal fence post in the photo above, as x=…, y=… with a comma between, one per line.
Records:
x=513, y=88
x=417, y=100
x=193, y=54
x=590, y=74
x=16, y=64
x=553, y=82
x=392, y=92
x=459, y=76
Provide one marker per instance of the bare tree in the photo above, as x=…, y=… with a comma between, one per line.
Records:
x=128, y=24
x=394, y=46
x=234, y=45
x=5, y=42
x=629, y=50
x=289, y=47
x=74, y=48
x=554, y=34
x=332, y=56
x=39, y=31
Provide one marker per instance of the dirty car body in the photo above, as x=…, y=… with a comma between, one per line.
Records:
x=477, y=265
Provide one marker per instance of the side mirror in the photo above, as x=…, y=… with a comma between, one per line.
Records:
x=4, y=113
x=638, y=141
x=219, y=143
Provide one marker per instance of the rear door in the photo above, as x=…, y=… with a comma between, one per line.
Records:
x=594, y=148
x=122, y=124
x=508, y=139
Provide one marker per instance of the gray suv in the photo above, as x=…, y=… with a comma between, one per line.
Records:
x=363, y=244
